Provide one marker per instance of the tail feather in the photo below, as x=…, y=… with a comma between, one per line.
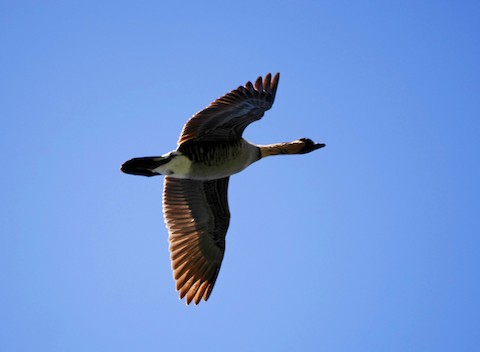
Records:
x=144, y=166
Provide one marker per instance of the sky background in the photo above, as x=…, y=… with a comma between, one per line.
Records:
x=370, y=244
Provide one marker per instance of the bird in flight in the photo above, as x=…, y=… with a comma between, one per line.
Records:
x=195, y=206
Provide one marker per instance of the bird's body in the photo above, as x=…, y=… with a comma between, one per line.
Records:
x=208, y=161
x=210, y=150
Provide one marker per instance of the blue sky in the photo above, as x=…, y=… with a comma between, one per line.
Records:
x=370, y=244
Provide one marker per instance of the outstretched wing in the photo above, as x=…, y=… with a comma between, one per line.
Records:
x=197, y=218
x=226, y=118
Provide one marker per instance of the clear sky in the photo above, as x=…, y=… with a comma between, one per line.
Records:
x=370, y=244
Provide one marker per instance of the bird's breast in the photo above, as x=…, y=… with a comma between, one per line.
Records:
x=212, y=160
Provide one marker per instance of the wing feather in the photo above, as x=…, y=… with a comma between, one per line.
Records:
x=197, y=218
x=226, y=118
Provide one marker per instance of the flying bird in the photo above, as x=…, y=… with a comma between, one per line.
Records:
x=195, y=206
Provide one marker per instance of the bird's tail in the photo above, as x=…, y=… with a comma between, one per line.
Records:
x=144, y=166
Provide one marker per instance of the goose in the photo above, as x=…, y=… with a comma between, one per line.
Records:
x=195, y=206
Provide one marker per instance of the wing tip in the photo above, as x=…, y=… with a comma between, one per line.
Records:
x=265, y=85
x=197, y=286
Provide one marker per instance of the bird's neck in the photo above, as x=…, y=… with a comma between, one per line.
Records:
x=300, y=146
x=281, y=148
